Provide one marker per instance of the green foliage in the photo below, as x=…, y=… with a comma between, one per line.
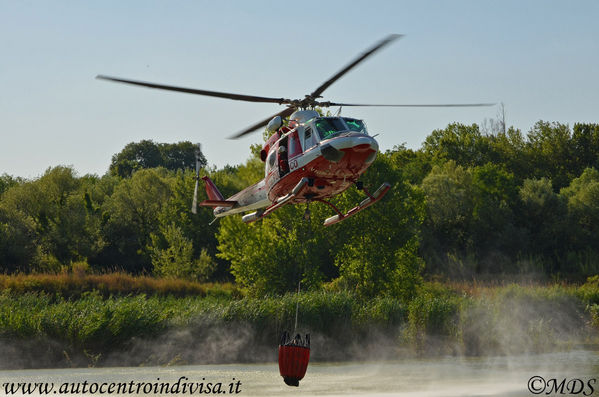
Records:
x=379, y=246
x=449, y=206
x=147, y=154
x=584, y=146
x=131, y=215
x=74, y=285
x=274, y=254
x=589, y=291
x=90, y=322
x=261, y=255
x=594, y=312
x=432, y=316
x=463, y=144
x=414, y=165
x=7, y=181
x=176, y=259
x=17, y=247
x=438, y=320
x=469, y=217
x=373, y=250
x=467, y=205
x=544, y=233
x=581, y=237
x=51, y=212
x=101, y=325
x=583, y=199
x=551, y=152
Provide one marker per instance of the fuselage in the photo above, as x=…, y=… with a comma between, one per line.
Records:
x=332, y=152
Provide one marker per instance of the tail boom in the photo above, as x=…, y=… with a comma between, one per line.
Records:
x=250, y=198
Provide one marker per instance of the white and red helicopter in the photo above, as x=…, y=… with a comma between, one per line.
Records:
x=311, y=158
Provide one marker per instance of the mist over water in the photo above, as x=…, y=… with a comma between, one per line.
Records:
x=448, y=376
x=491, y=346
x=514, y=324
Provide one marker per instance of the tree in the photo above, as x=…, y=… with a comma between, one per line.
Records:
x=413, y=165
x=583, y=216
x=449, y=208
x=470, y=224
x=583, y=198
x=494, y=235
x=147, y=154
x=131, y=215
x=585, y=147
x=374, y=252
x=542, y=214
x=377, y=249
x=7, y=181
x=463, y=144
x=262, y=255
x=550, y=153
x=18, y=241
x=173, y=257
x=510, y=150
x=56, y=207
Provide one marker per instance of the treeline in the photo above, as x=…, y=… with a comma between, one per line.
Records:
x=467, y=204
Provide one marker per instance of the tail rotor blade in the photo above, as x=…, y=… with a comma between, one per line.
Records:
x=198, y=154
x=194, y=205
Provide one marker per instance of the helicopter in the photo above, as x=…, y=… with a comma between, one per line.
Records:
x=311, y=158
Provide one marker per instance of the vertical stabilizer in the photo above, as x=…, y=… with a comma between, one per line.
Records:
x=211, y=190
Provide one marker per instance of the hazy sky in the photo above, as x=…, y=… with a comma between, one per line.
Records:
x=540, y=58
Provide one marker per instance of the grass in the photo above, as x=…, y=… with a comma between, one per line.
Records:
x=66, y=321
x=71, y=285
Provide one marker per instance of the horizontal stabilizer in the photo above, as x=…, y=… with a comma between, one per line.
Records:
x=281, y=201
x=217, y=203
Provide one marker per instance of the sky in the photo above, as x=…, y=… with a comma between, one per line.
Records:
x=539, y=58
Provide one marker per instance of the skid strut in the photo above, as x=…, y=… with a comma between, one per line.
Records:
x=297, y=190
x=368, y=201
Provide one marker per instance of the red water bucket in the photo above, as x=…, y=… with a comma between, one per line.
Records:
x=293, y=363
x=293, y=360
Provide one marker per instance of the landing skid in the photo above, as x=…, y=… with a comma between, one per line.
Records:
x=297, y=190
x=371, y=199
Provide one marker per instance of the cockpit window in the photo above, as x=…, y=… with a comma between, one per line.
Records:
x=355, y=125
x=329, y=126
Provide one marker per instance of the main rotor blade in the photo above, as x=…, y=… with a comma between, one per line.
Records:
x=283, y=114
x=346, y=69
x=441, y=105
x=227, y=95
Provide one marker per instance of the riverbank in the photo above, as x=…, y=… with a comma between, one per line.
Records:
x=41, y=329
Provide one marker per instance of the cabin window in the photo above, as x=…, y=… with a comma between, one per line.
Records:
x=355, y=125
x=308, y=139
x=270, y=161
x=294, y=145
x=327, y=127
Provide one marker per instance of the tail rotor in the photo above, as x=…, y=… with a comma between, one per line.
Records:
x=194, y=205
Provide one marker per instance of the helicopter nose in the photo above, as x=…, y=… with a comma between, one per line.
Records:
x=365, y=144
